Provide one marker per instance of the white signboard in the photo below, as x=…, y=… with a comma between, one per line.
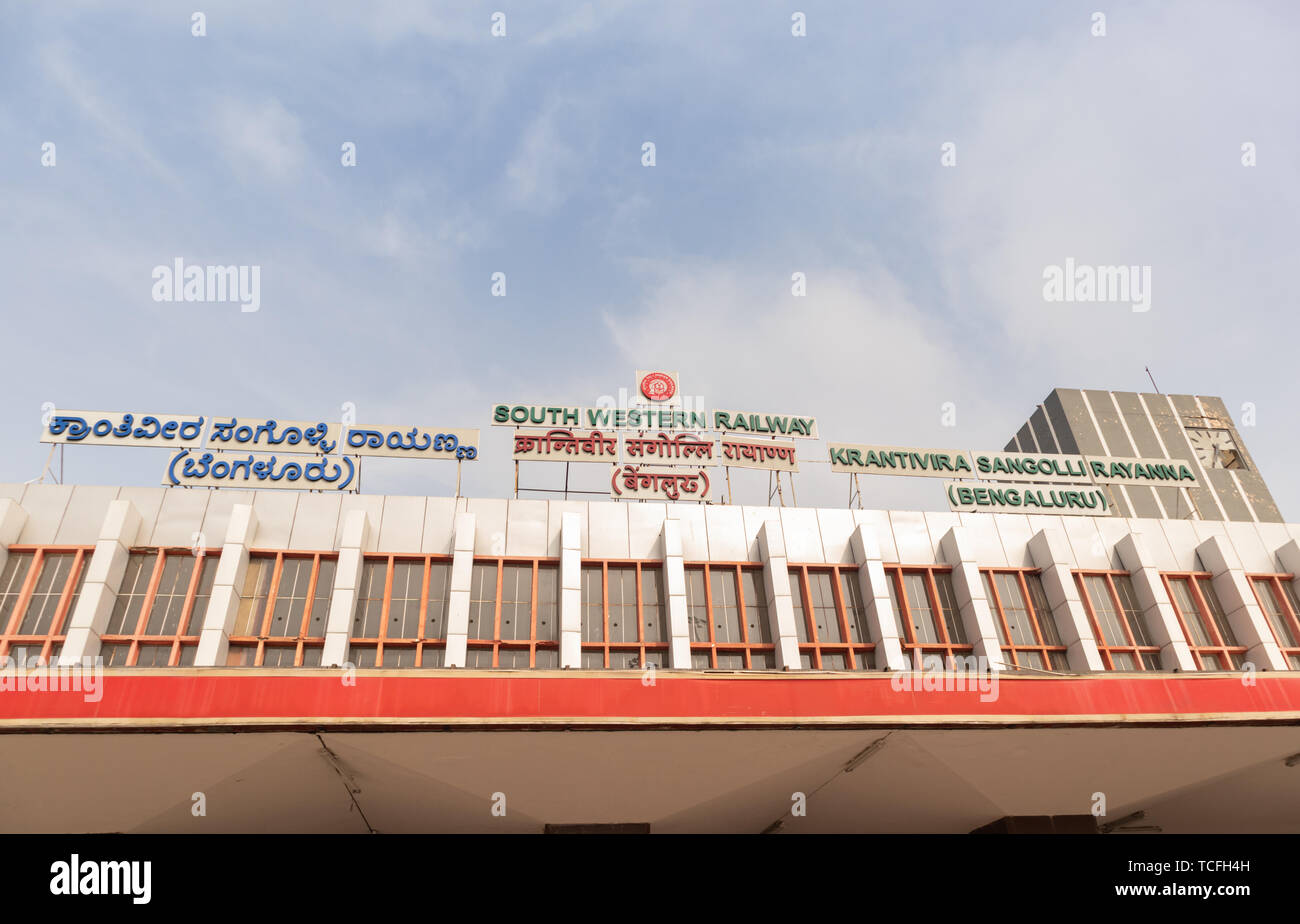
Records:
x=565, y=446
x=643, y=482
x=411, y=443
x=773, y=455
x=981, y=497
x=115, y=428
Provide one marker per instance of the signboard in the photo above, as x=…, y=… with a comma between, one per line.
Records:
x=603, y=418
x=900, y=460
x=1020, y=466
x=679, y=449
x=415, y=443
x=978, y=497
x=634, y=482
x=275, y=435
x=111, y=428
x=765, y=424
x=259, y=471
x=773, y=455
x=1115, y=470
x=565, y=446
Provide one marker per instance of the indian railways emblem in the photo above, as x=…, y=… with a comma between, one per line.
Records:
x=656, y=386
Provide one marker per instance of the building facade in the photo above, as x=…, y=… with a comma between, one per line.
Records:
x=681, y=666
x=1194, y=429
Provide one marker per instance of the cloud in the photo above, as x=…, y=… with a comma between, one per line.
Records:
x=258, y=138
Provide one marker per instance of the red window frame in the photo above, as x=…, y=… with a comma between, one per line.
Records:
x=183, y=640
x=532, y=644
x=1219, y=655
x=856, y=654
x=420, y=644
x=747, y=648
x=945, y=646
x=643, y=648
x=1142, y=655
x=51, y=641
x=1286, y=609
x=301, y=642
x=1053, y=656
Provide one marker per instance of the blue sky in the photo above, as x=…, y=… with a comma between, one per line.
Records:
x=522, y=155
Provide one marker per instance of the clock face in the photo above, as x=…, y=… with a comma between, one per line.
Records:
x=1215, y=448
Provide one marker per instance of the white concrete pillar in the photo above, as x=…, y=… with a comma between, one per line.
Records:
x=972, y=602
x=462, y=573
x=1239, y=604
x=1157, y=612
x=570, y=590
x=780, y=602
x=1288, y=557
x=227, y=585
x=12, y=520
x=1053, y=559
x=882, y=623
x=353, y=543
x=679, y=619
x=118, y=533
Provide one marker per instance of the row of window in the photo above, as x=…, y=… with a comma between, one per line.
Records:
x=400, y=618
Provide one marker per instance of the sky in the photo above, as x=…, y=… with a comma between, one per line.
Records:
x=522, y=154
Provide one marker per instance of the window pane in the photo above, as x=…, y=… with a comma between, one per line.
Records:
x=1016, y=610
x=252, y=599
x=435, y=617
x=697, y=605
x=801, y=615
x=516, y=602
x=653, y=607
x=404, y=606
x=918, y=603
x=1042, y=611
x=825, y=614
x=1220, y=619
x=548, y=604
x=1185, y=601
x=593, y=606
x=130, y=598
x=622, y=604
x=202, y=593
x=726, y=614
x=482, y=602
x=758, y=627
x=1269, y=603
x=993, y=605
x=1103, y=605
x=857, y=612
x=320, y=605
x=11, y=583
x=948, y=603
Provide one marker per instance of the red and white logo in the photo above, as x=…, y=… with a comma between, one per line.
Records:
x=658, y=386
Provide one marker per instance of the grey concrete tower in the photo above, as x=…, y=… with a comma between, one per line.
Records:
x=1190, y=428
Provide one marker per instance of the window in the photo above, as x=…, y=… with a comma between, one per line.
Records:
x=624, y=616
x=928, y=618
x=1214, y=646
x=728, y=615
x=830, y=619
x=283, y=610
x=1117, y=621
x=401, y=614
x=1277, y=597
x=514, y=614
x=39, y=588
x=160, y=607
x=1024, y=621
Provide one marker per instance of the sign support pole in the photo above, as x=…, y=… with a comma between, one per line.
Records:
x=458, y=461
x=730, y=498
x=516, y=479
